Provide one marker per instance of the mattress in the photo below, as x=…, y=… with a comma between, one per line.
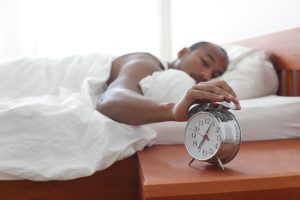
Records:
x=265, y=118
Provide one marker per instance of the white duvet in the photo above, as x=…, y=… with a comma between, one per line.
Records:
x=49, y=129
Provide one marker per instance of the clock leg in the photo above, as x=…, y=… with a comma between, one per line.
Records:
x=220, y=163
x=191, y=161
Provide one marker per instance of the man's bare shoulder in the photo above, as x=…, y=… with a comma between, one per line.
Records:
x=138, y=56
x=134, y=65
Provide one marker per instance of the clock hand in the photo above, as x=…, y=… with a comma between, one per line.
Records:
x=198, y=133
x=205, y=137
x=202, y=141
x=208, y=131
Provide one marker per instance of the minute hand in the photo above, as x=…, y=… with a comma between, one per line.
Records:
x=209, y=128
x=205, y=137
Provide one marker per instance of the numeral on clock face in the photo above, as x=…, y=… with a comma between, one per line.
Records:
x=196, y=128
x=200, y=122
x=194, y=135
x=219, y=138
x=217, y=146
x=195, y=143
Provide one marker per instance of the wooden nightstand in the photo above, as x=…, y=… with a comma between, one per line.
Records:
x=261, y=170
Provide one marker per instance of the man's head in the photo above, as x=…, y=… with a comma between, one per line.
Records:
x=202, y=61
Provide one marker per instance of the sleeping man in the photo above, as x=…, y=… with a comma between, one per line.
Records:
x=123, y=101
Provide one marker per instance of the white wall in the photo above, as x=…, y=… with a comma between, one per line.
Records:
x=222, y=21
x=162, y=27
x=65, y=27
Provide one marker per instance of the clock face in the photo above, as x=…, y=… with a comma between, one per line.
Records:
x=203, y=136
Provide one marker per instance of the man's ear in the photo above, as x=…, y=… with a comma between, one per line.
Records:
x=182, y=52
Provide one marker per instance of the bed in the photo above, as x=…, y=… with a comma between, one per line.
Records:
x=121, y=180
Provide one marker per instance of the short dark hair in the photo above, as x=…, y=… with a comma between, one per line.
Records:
x=198, y=44
x=204, y=43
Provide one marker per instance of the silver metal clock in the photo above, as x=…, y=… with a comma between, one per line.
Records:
x=212, y=133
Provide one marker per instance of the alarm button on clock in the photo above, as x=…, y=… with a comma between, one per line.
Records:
x=224, y=104
x=204, y=105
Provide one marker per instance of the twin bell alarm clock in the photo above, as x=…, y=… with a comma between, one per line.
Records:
x=212, y=133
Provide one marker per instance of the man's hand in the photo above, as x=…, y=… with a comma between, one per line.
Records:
x=213, y=91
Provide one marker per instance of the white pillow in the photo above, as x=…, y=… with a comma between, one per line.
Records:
x=250, y=74
x=166, y=86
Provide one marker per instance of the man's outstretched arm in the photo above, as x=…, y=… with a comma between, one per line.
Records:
x=124, y=102
x=129, y=107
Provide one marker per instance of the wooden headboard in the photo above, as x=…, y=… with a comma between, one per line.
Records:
x=284, y=48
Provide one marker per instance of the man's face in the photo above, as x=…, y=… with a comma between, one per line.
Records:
x=204, y=63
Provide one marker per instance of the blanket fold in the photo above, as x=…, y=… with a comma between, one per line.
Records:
x=49, y=128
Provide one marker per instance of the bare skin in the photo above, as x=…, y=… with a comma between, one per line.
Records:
x=124, y=102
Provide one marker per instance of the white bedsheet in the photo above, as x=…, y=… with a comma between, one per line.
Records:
x=265, y=118
x=49, y=129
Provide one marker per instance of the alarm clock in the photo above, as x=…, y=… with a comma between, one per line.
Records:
x=212, y=133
